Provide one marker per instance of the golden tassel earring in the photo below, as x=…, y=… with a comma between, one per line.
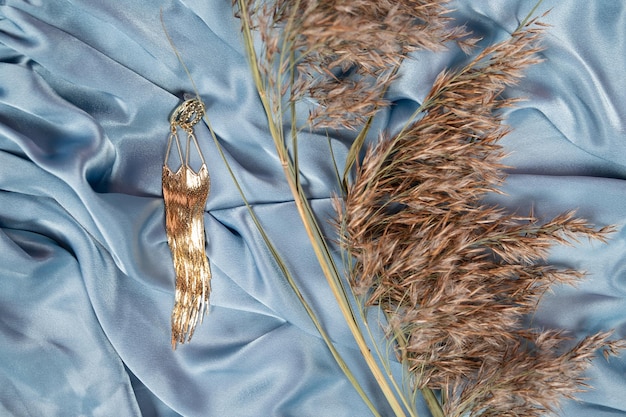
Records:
x=185, y=193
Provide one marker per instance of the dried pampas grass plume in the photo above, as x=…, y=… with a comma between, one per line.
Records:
x=455, y=276
x=343, y=54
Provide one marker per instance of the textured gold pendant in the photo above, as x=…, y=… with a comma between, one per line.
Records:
x=185, y=193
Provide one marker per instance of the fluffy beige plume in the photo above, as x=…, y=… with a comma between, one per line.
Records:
x=457, y=277
x=344, y=53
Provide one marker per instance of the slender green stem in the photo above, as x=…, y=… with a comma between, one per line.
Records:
x=294, y=130
x=353, y=153
x=332, y=277
x=409, y=407
x=432, y=402
x=529, y=15
x=332, y=156
x=283, y=268
x=312, y=229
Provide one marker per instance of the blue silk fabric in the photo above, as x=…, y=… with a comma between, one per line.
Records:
x=86, y=275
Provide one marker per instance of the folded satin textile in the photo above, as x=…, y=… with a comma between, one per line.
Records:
x=86, y=276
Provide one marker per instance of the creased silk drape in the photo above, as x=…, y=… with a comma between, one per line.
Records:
x=86, y=276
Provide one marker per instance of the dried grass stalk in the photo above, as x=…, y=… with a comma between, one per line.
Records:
x=455, y=276
x=344, y=53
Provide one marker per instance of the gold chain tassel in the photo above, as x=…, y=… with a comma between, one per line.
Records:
x=185, y=193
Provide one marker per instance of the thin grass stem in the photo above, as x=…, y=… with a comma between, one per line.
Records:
x=432, y=402
x=312, y=229
x=294, y=286
x=529, y=15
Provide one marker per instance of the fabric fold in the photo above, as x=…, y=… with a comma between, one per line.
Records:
x=86, y=275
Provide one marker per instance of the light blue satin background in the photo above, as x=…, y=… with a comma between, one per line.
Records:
x=86, y=277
